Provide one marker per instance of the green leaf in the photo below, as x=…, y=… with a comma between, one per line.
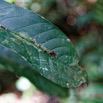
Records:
x=38, y=80
x=33, y=37
x=19, y=67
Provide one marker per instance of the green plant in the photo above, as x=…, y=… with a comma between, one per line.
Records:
x=43, y=46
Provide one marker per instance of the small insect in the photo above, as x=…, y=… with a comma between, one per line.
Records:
x=51, y=52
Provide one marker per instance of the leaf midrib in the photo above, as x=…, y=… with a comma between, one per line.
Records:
x=31, y=42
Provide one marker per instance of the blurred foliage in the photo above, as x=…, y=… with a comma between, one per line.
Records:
x=93, y=93
x=82, y=21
